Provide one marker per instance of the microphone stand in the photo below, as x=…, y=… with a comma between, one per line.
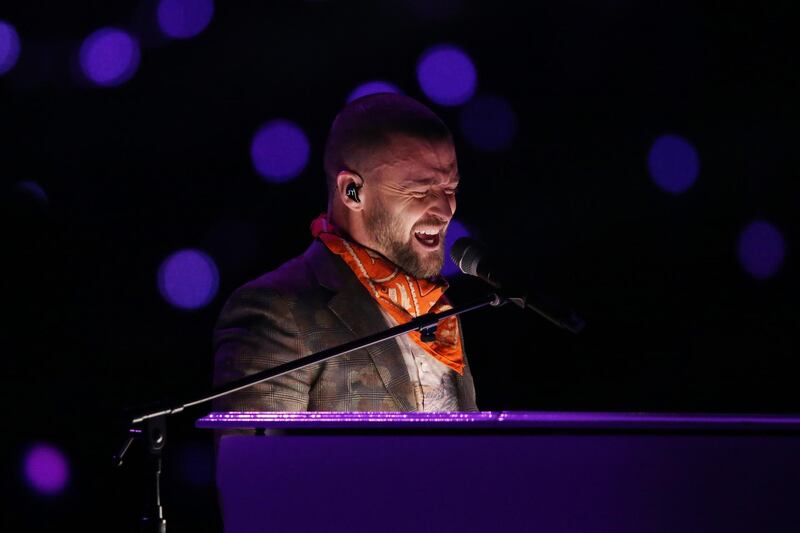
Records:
x=155, y=427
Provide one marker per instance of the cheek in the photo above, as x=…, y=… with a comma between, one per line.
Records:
x=407, y=212
x=413, y=213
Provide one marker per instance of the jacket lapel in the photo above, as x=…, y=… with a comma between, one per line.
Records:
x=359, y=312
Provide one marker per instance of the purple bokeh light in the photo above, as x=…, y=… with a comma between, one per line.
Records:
x=279, y=150
x=188, y=279
x=455, y=231
x=33, y=190
x=373, y=87
x=673, y=163
x=109, y=57
x=183, y=19
x=761, y=249
x=9, y=47
x=489, y=123
x=46, y=469
x=447, y=75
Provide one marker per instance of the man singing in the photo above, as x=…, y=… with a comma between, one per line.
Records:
x=374, y=263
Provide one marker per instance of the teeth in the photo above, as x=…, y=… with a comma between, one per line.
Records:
x=428, y=232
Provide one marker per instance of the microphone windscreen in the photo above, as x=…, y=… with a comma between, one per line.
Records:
x=466, y=253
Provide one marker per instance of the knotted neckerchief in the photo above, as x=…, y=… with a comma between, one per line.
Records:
x=402, y=296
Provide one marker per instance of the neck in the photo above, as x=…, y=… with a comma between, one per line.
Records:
x=350, y=225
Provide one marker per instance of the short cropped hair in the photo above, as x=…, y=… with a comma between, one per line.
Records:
x=366, y=124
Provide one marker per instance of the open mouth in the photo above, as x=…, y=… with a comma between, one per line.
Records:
x=427, y=238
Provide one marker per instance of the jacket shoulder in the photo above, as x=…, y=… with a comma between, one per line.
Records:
x=293, y=282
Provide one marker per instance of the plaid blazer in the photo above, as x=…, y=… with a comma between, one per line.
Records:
x=308, y=304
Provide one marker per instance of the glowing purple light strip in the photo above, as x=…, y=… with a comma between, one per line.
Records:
x=498, y=419
x=341, y=419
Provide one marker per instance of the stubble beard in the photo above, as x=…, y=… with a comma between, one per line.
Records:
x=398, y=248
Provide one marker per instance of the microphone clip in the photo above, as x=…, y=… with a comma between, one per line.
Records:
x=501, y=298
x=428, y=334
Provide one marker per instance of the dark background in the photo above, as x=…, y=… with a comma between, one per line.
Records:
x=162, y=163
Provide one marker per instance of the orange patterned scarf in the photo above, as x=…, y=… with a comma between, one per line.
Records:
x=400, y=295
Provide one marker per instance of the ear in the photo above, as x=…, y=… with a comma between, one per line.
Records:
x=345, y=179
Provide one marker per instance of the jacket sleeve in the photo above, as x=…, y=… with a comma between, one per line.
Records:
x=256, y=330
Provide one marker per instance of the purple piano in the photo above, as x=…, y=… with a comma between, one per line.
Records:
x=508, y=471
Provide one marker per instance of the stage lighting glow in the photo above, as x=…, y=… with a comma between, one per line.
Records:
x=673, y=163
x=182, y=19
x=9, y=47
x=455, y=231
x=279, y=151
x=109, y=57
x=447, y=75
x=46, y=469
x=373, y=87
x=188, y=279
x=34, y=190
x=761, y=249
x=489, y=123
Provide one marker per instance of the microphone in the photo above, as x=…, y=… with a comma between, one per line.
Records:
x=471, y=258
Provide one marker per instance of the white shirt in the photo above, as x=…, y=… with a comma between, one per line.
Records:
x=434, y=382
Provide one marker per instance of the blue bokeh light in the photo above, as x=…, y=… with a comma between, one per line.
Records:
x=455, y=231
x=279, y=151
x=673, y=163
x=109, y=57
x=188, y=279
x=373, y=87
x=761, y=249
x=489, y=123
x=46, y=469
x=447, y=75
x=183, y=19
x=9, y=47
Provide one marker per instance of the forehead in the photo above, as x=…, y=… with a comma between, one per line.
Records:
x=405, y=157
